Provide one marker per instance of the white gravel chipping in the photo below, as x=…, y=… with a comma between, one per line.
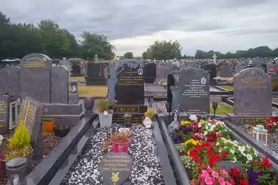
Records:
x=146, y=169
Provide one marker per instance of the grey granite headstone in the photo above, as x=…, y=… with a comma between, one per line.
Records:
x=35, y=77
x=252, y=93
x=60, y=84
x=239, y=67
x=191, y=91
x=162, y=70
x=31, y=115
x=9, y=81
x=117, y=165
x=226, y=71
x=4, y=121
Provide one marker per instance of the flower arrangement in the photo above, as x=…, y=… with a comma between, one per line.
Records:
x=150, y=113
x=202, y=144
x=213, y=176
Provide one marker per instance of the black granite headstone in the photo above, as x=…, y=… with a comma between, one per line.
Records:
x=115, y=168
x=150, y=72
x=75, y=70
x=212, y=69
x=96, y=74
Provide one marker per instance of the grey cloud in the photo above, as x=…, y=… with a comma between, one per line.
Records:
x=122, y=19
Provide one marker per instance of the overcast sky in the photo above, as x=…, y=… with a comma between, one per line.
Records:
x=133, y=25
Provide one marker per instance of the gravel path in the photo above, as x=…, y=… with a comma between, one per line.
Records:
x=146, y=169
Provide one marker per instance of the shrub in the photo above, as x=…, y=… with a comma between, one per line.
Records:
x=21, y=138
x=103, y=105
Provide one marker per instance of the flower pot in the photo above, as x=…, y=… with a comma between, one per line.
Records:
x=120, y=147
x=189, y=173
x=249, y=128
x=105, y=120
x=61, y=133
x=48, y=126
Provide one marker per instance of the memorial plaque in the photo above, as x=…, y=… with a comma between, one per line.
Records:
x=136, y=112
x=252, y=93
x=9, y=81
x=226, y=71
x=4, y=114
x=212, y=69
x=190, y=92
x=239, y=67
x=228, y=165
x=35, y=71
x=115, y=168
x=31, y=115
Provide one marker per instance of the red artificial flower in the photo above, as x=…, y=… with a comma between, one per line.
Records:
x=225, y=154
x=244, y=182
x=211, y=151
x=255, y=163
x=193, y=153
x=261, y=171
x=196, y=159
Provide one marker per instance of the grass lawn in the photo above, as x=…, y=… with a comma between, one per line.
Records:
x=78, y=78
x=222, y=109
x=93, y=91
x=229, y=88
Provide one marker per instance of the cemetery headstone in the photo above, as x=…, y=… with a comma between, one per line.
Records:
x=239, y=67
x=162, y=70
x=9, y=81
x=226, y=71
x=126, y=89
x=4, y=121
x=31, y=115
x=115, y=168
x=35, y=77
x=60, y=84
x=95, y=74
x=212, y=69
x=191, y=91
x=252, y=95
x=150, y=72
x=66, y=63
x=75, y=70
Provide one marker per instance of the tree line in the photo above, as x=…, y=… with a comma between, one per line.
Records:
x=17, y=40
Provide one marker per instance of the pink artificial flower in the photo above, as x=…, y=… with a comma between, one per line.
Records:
x=192, y=183
x=228, y=183
x=208, y=181
x=223, y=172
x=215, y=174
x=221, y=181
x=205, y=172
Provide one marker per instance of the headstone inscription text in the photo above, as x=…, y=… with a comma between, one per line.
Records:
x=115, y=167
x=4, y=114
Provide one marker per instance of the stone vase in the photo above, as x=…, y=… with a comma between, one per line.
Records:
x=89, y=103
x=105, y=120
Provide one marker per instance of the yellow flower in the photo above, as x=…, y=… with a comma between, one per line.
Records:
x=225, y=141
x=183, y=123
x=202, y=121
x=188, y=142
x=194, y=142
x=188, y=153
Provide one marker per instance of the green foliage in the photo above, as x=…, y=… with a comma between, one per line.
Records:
x=103, y=105
x=261, y=51
x=21, y=138
x=163, y=50
x=62, y=127
x=150, y=113
x=94, y=44
x=128, y=55
x=22, y=152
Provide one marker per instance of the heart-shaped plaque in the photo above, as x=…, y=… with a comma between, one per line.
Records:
x=115, y=168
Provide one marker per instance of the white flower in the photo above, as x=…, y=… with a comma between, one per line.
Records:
x=206, y=127
x=234, y=160
x=217, y=144
x=205, y=133
x=193, y=117
x=105, y=113
x=241, y=148
x=209, y=124
x=242, y=153
x=1, y=139
x=249, y=157
x=232, y=151
x=199, y=125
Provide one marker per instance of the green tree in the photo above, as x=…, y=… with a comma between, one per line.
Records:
x=128, y=55
x=94, y=44
x=163, y=50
